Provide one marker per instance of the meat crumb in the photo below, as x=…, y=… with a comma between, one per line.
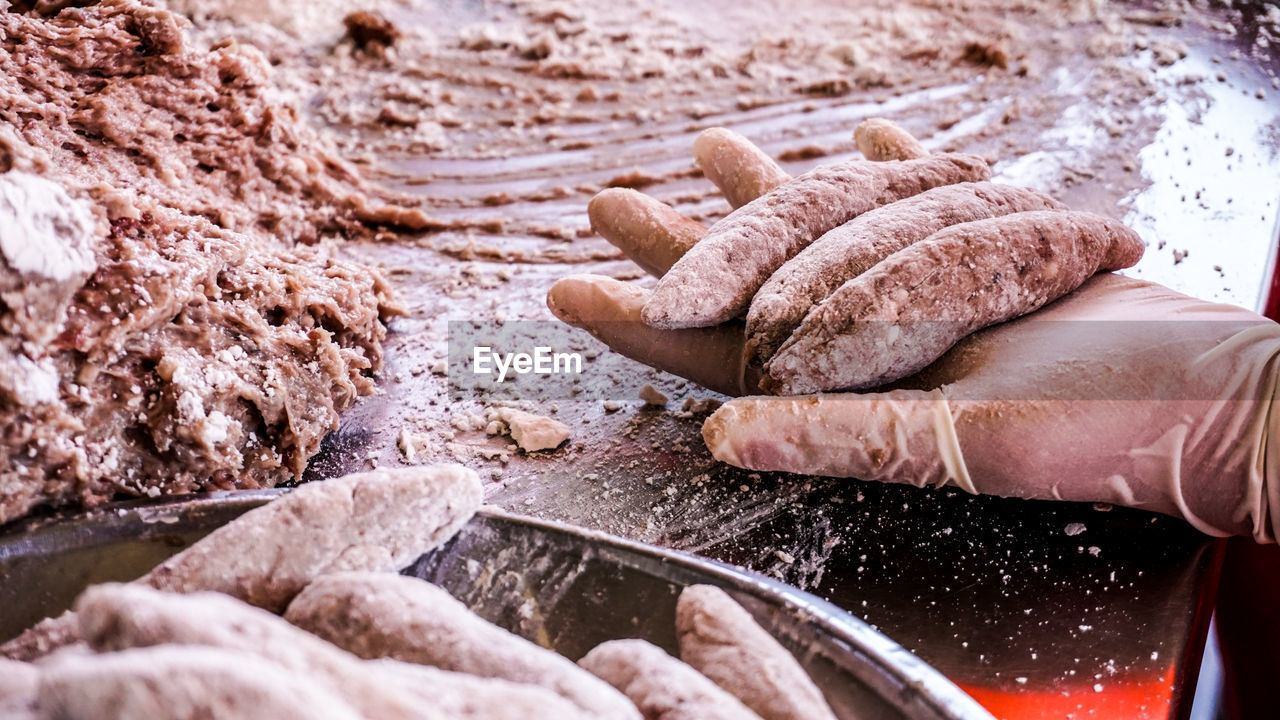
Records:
x=370, y=32
x=411, y=445
x=652, y=396
x=986, y=55
x=700, y=406
x=637, y=179
x=534, y=432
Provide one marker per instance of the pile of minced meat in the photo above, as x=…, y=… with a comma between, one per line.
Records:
x=171, y=316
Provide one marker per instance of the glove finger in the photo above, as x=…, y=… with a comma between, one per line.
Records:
x=1027, y=448
x=647, y=230
x=896, y=436
x=610, y=310
x=742, y=171
x=1016, y=442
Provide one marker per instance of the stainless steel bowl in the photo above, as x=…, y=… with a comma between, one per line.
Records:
x=561, y=586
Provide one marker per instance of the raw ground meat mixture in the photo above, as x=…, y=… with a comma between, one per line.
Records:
x=192, y=345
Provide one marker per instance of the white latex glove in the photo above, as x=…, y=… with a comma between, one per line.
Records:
x=1122, y=392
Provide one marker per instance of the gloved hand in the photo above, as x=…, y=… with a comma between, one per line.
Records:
x=1121, y=392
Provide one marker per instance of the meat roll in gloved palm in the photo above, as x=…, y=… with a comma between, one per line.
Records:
x=985, y=351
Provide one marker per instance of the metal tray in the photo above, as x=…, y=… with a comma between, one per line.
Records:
x=561, y=586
